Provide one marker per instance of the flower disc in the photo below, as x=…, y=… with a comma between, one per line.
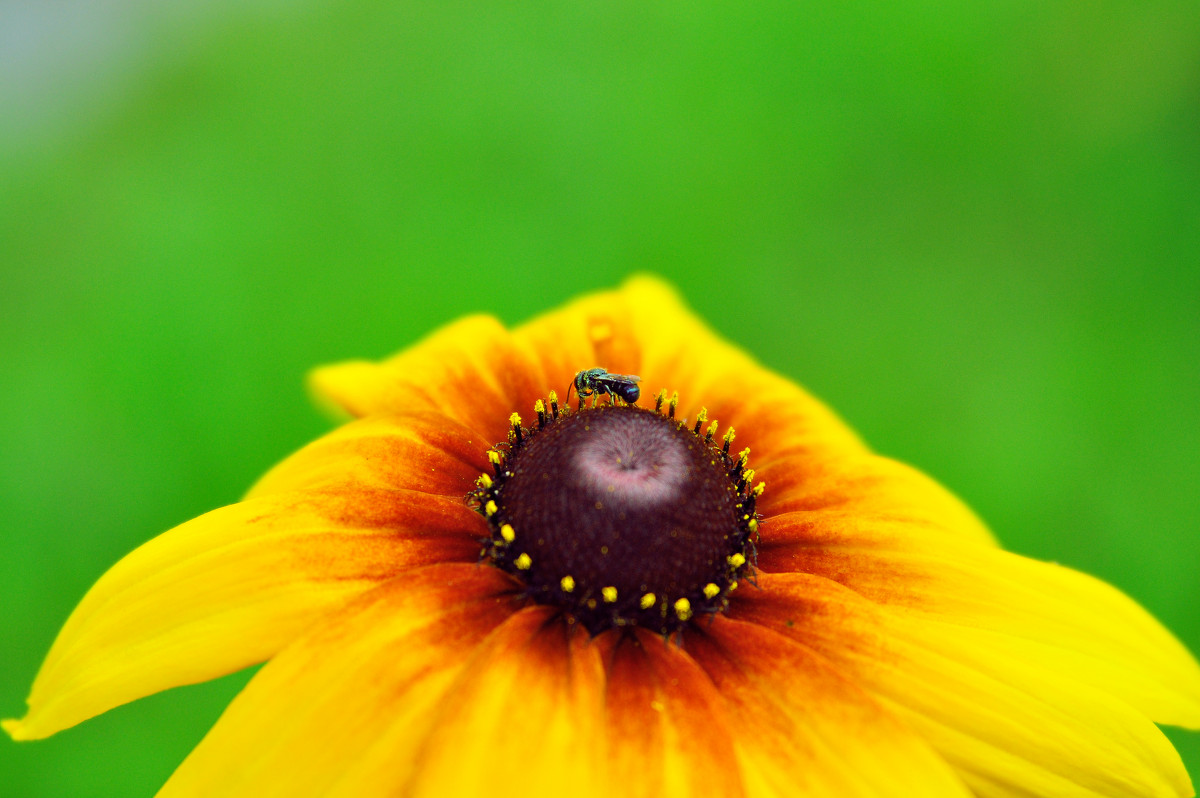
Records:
x=622, y=516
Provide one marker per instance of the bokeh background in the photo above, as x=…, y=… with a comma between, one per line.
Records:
x=972, y=227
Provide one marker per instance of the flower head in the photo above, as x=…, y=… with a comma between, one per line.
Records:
x=466, y=590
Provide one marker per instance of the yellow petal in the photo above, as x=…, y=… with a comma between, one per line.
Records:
x=530, y=706
x=425, y=452
x=344, y=709
x=1065, y=618
x=858, y=488
x=644, y=328
x=477, y=372
x=800, y=727
x=406, y=692
x=472, y=371
x=1012, y=719
x=231, y=588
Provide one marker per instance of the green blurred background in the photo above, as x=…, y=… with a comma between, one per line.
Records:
x=973, y=228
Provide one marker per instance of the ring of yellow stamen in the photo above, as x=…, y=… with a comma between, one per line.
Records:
x=600, y=605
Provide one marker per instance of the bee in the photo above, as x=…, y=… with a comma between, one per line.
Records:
x=591, y=382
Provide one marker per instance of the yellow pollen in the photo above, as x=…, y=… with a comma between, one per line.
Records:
x=591, y=603
x=493, y=457
x=737, y=560
x=523, y=562
x=648, y=601
x=729, y=436
x=753, y=525
x=703, y=416
x=539, y=407
x=733, y=586
x=490, y=508
x=508, y=533
x=683, y=608
x=759, y=488
x=553, y=397
x=711, y=590
x=712, y=430
x=600, y=331
x=609, y=594
x=485, y=481
x=749, y=475
x=515, y=419
x=567, y=584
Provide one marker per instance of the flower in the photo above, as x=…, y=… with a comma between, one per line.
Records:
x=887, y=647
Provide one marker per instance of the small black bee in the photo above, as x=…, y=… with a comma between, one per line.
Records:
x=591, y=382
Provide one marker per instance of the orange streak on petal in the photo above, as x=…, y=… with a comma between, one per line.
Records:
x=858, y=487
x=1054, y=614
x=644, y=328
x=473, y=371
x=1041, y=708
x=524, y=718
x=800, y=727
x=886, y=560
x=478, y=373
x=665, y=723
x=426, y=452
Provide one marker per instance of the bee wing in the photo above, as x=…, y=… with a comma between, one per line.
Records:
x=626, y=377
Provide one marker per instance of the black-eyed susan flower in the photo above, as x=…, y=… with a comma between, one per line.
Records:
x=478, y=589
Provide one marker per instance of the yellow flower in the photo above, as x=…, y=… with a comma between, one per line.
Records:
x=851, y=630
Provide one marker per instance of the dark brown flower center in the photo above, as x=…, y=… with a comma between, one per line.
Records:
x=620, y=516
